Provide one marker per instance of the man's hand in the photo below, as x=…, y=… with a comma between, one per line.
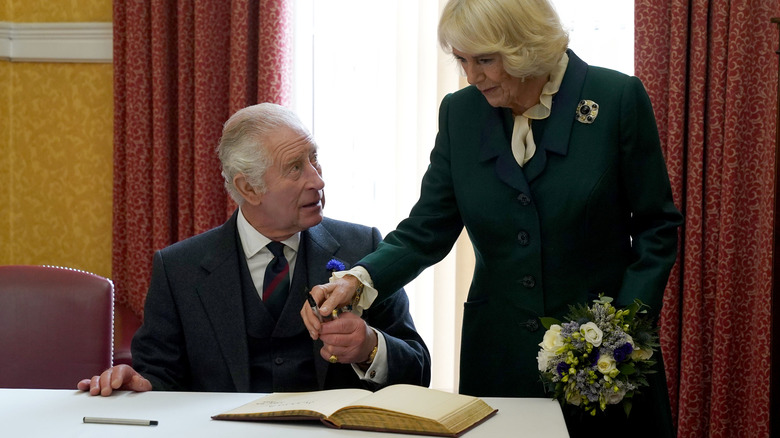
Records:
x=328, y=296
x=120, y=377
x=348, y=338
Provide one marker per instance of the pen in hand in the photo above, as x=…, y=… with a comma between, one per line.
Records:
x=313, y=305
x=316, y=310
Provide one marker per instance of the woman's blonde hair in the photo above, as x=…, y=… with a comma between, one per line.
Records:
x=528, y=34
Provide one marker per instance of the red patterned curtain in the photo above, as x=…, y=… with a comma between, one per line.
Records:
x=180, y=70
x=711, y=72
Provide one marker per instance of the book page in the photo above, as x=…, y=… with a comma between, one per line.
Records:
x=298, y=403
x=418, y=401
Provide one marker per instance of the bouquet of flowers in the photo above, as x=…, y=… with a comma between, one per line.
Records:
x=600, y=357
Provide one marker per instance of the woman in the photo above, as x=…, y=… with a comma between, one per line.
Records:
x=555, y=169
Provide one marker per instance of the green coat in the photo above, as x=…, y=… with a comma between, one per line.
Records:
x=590, y=213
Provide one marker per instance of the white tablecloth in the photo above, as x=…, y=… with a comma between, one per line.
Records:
x=59, y=413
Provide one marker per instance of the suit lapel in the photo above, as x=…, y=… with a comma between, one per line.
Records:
x=556, y=129
x=320, y=248
x=220, y=293
x=495, y=142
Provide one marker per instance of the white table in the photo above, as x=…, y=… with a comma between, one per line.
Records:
x=59, y=413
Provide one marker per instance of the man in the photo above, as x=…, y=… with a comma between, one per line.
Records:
x=207, y=326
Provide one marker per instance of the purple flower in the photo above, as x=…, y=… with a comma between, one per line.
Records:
x=562, y=368
x=623, y=352
x=335, y=265
x=594, y=356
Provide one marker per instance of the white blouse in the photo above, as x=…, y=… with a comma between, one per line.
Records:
x=523, y=146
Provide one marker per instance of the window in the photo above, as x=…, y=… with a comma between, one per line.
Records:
x=358, y=67
x=601, y=33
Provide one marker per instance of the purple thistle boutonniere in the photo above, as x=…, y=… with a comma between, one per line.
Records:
x=335, y=265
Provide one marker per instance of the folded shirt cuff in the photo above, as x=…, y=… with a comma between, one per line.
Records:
x=369, y=293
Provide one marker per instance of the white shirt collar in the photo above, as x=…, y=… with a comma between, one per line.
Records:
x=253, y=242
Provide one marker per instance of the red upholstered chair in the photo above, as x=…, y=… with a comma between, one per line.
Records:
x=56, y=326
x=126, y=322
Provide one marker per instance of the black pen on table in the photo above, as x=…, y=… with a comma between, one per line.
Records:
x=123, y=421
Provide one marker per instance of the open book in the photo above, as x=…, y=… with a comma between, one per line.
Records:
x=396, y=408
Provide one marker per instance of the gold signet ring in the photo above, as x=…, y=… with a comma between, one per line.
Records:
x=333, y=358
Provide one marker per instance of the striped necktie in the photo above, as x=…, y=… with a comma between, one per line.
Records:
x=276, y=282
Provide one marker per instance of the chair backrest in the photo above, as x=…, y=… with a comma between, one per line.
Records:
x=56, y=326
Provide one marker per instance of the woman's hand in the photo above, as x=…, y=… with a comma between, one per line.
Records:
x=329, y=296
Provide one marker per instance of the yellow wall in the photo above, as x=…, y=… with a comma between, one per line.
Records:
x=5, y=159
x=56, y=122
x=47, y=11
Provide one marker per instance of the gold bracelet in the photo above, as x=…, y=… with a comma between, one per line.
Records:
x=358, y=294
x=371, y=356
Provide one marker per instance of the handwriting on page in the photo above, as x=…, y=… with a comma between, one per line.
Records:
x=276, y=404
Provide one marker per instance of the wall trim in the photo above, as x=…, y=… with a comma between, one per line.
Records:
x=56, y=42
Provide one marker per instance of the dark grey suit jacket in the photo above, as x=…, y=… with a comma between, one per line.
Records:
x=194, y=336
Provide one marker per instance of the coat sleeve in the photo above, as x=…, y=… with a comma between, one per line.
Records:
x=408, y=358
x=654, y=217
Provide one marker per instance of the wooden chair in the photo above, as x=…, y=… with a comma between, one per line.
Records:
x=56, y=326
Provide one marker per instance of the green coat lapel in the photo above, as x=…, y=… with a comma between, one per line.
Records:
x=496, y=143
x=552, y=134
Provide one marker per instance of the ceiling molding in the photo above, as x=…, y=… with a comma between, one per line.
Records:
x=56, y=42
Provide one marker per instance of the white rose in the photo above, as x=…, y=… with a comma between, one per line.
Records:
x=606, y=364
x=573, y=398
x=552, y=339
x=641, y=354
x=543, y=358
x=614, y=397
x=592, y=333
